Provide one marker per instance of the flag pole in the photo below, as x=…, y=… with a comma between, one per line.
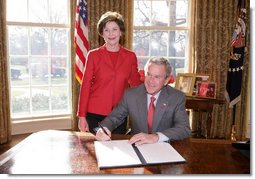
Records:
x=233, y=129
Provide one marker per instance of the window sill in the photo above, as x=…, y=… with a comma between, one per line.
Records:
x=30, y=126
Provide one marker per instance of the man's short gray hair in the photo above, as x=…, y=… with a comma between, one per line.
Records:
x=159, y=61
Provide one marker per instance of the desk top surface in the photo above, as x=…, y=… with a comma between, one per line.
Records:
x=65, y=152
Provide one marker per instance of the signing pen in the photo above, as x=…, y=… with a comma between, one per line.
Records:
x=103, y=129
x=128, y=131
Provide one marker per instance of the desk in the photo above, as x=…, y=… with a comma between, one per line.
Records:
x=201, y=105
x=65, y=152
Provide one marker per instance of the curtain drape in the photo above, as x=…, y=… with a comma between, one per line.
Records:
x=214, y=23
x=95, y=10
x=5, y=124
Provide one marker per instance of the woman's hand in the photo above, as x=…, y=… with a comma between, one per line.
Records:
x=83, y=124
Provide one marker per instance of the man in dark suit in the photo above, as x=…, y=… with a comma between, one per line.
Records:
x=170, y=120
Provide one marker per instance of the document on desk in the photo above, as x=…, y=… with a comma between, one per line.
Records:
x=119, y=153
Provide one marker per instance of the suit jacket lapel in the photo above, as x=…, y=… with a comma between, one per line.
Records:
x=160, y=109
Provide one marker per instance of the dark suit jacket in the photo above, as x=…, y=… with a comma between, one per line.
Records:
x=170, y=118
x=104, y=83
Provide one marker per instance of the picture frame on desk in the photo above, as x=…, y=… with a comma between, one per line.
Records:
x=206, y=90
x=200, y=77
x=185, y=83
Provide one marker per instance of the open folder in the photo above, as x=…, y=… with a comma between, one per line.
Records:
x=119, y=153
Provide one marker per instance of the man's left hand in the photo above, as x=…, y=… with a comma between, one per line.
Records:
x=143, y=138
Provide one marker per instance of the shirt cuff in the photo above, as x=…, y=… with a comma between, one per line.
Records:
x=162, y=137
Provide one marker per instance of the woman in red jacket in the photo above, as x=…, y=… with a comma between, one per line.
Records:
x=110, y=69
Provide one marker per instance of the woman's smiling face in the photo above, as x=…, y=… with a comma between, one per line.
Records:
x=111, y=33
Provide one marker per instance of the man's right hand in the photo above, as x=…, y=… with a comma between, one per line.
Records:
x=101, y=135
x=83, y=125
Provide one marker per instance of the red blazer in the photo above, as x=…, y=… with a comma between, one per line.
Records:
x=103, y=84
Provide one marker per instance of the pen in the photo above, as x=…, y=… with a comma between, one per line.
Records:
x=128, y=131
x=103, y=129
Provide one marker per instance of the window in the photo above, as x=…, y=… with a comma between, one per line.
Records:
x=162, y=28
x=39, y=58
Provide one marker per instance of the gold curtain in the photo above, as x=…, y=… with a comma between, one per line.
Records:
x=5, y=124
x=214, y=23
x=95, y=10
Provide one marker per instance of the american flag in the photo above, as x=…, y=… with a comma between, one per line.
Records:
x=238, y=45
x=81, y=38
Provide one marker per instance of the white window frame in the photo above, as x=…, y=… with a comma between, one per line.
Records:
x=189, y=28
x=30, y=124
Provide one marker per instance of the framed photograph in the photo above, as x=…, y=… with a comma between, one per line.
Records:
x=206, y=90
x=200, y=77
x=185, y=83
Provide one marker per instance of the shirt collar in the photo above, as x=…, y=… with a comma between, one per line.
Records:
x=156, y=95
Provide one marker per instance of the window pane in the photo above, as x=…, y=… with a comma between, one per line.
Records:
x=59, y=101
x=40, y=100
x=17, y=10
x=141, y=43
x=142, y=13
x=181, y=9
x=58, y=70
x=38, y=11
x=177, y=43
x=39, y=41
x=159, y=42
x=18, y=41
x=178, y=65
x=160, y=13
x=20, y=101
x=58, y=42
x=58, y=9
x=39, y=71
x=19, y=71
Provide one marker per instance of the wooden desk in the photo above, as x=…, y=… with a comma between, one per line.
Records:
x=65, y=152
x=201, y=105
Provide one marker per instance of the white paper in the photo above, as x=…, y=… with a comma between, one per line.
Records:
x=160, y=152
x=118, y=153
x=115, y=153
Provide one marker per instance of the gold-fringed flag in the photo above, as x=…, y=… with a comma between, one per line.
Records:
x=235, y=69
x=81, y=38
